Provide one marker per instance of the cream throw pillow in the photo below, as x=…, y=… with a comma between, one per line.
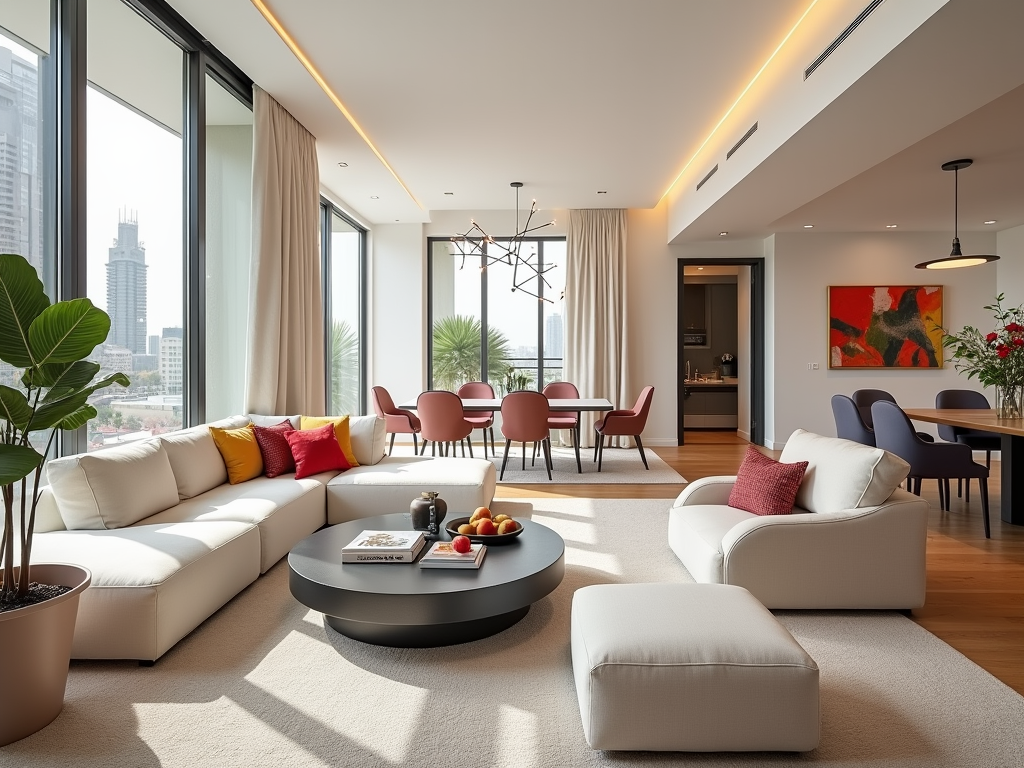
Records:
x=368, y=438
x=197, y=464
x=842, y=474
x=113, y=488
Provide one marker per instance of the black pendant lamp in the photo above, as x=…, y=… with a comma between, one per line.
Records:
x=956, y=257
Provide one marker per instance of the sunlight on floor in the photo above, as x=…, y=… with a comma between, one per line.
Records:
x=517, y=735
x=570, y=530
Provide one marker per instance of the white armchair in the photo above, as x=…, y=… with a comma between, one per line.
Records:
x=863, y=546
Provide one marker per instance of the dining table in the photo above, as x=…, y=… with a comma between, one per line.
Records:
x=561, y=405
x=1011, y=453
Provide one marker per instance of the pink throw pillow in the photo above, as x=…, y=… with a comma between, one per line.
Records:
x=316, y=450
x=273, y=443
x=765, y=486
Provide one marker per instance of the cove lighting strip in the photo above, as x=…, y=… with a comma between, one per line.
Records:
x=315, y=73
x=738, y=98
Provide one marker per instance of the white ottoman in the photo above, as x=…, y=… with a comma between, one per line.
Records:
x=689, y=667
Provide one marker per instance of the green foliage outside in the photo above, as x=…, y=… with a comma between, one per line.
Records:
x=456, y=352
x=344, y=368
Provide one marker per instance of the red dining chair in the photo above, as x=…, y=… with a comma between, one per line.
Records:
x=631, y=422
x=441, y=421
x=524, y=418
x=482, y=420
x=564, y=390
x=396, y=420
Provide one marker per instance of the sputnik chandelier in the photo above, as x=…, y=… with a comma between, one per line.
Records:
x=527, y=272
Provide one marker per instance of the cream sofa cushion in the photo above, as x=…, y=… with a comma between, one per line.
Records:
x=113, y=488
x=367, y=435
x=272, y=421
x=842, y=474
x=195, y=461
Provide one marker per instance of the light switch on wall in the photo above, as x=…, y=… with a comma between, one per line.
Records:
x=812, y=366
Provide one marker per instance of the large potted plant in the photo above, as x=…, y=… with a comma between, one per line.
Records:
x=49, y=343
x=996, y=359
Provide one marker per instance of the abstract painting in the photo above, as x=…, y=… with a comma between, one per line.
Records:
x=893, y=326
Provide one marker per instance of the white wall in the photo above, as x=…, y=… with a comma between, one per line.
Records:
x=1010, y=267
x=398, y=278
x=805, y=264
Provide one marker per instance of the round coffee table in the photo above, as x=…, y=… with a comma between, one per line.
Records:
x=403, y=605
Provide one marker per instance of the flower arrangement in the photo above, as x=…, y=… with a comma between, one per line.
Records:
x=996, y=359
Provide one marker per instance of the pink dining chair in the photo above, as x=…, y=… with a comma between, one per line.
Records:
x=631, y=422
x=564, y=390
x=396, y=420
x=524, y=419
x=441, y=421
x=482, y=420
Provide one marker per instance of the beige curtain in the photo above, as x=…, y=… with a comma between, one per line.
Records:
x=595, y=309
x=286, y=324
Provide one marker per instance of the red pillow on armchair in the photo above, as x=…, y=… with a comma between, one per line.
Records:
x=765, y=486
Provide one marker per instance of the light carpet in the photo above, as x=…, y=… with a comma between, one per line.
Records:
x=264, y=682
x=619, y=465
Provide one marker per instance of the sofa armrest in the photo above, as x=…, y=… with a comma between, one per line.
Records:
x=870, y=557
x=707, y=490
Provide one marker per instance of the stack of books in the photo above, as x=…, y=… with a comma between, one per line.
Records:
x=441, y=555
x=384, y=547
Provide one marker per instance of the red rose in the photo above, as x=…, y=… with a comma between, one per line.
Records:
x=1014, y=328
x=992, y=337
x=1019, y=341
x=1002, y=350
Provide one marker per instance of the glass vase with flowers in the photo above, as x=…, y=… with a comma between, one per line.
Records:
x=996, y=359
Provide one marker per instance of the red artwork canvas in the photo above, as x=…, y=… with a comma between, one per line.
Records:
x=894, y=326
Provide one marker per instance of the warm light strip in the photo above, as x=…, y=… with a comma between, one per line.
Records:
x=738, y=98
x=304, y=60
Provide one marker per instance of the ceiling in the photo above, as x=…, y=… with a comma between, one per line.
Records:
x=585, y=96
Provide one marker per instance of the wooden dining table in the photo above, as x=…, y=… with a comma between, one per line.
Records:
x=561, y=405
x=1011, y=459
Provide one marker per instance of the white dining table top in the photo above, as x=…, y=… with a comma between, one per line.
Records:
x=573, y=404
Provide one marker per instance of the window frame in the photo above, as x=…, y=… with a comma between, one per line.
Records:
x=328, y=209
x=429, y=329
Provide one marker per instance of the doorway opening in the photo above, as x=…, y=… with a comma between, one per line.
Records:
x=720, y=347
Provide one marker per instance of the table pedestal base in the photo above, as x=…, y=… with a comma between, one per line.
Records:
x=426, y=635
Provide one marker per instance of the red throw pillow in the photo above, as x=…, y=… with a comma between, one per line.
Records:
x=273, y=443
x=765, y=486
x=316, y=450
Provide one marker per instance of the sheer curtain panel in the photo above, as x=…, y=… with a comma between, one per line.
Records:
x=595, y=312
x=286, y=325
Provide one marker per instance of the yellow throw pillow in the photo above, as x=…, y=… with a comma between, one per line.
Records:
x=240, y=451
x=340, y=430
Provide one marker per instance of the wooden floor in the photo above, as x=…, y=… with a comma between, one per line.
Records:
x=975, y=586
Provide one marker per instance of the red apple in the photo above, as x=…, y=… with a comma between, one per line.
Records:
x=486, y=528
x=461, y=544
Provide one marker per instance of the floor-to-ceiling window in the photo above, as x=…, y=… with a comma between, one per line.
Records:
x=491, y=322
x=228, y=238
x=136, y=257
x=344, y=258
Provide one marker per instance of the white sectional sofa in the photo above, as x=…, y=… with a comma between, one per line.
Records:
x=169, y=541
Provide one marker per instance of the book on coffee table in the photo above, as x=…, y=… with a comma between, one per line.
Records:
x=384, y=547
x=442, y=555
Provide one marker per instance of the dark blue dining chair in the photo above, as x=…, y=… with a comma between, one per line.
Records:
x=967, y=399
x=849, y=422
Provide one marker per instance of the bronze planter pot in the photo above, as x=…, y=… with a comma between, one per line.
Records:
x=35, y=651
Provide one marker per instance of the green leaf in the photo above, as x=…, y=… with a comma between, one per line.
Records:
x=50, y=415
x=22, y=300
x=67, y=331
x=61, y=375
x=14, y=407
x=16, y=462
x=79, y=418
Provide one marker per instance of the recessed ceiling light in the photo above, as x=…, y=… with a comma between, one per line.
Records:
x=991, y=221
x=449, y=193
x=602, y=191
x=808, y=226
x=343, y=165
x=700, y=268
x=891, y=226
x=722, y=234
x=375, y=197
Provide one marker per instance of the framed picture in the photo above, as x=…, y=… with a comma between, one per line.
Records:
x=890, y=326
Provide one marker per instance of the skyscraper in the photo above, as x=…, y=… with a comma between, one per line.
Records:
x=554, y=337
x=126, y=289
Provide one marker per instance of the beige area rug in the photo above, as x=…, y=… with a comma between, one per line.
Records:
x=620, y=465
x=265, y=683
